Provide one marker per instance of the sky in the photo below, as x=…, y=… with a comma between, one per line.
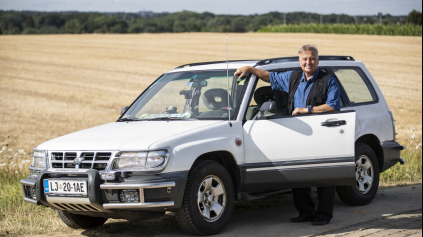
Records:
x=233, y=7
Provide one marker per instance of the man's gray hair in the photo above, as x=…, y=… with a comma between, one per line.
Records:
x=308, y=47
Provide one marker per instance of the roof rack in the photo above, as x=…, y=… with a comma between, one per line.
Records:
x=208, y=63
x=295, y=58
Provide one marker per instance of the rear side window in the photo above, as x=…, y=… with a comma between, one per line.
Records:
x=356, y=84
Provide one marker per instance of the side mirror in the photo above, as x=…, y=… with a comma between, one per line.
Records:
x=268, y=109
x=124, y=109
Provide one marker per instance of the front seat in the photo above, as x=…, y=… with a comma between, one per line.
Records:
x=215, y=100
x=265, y=94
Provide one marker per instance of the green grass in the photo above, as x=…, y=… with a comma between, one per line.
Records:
x=404, y=30
x=411, y=172
x=18, y=217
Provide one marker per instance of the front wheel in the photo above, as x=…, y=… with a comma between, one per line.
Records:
x=367, y=178
x=208, y=200
x=76, y=221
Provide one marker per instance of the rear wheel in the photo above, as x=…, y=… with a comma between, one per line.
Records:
x=208, y=200
x=367, y=178
x=76, y=221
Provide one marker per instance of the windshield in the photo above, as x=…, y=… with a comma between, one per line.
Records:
x=189, y=95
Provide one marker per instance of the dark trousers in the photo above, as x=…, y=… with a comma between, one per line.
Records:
x=305, y=205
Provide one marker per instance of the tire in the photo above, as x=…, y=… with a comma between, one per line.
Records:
x=367, y=178
x=208, y=200
x=80, y=221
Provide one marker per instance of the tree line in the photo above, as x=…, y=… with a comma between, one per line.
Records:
x=27, y=22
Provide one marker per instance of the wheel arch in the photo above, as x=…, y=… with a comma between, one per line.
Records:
x=374, y=142
x=227, y=160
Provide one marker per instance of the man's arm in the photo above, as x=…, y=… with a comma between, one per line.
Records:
x=264, y=75
x=316, y=110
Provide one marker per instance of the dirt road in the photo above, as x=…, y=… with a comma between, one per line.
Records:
x=395, y=211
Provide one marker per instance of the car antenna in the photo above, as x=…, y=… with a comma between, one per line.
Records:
x=227, y=74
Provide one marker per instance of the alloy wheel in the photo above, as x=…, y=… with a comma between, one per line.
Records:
x=364, y=174
x=211, y=198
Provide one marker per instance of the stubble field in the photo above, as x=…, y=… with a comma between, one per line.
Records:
x=57, y=84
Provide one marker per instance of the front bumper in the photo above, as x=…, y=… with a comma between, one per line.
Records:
x=156, y=192
x=142, y=188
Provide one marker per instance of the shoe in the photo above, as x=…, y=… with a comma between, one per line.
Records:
x=318, y=221
x=301, y=219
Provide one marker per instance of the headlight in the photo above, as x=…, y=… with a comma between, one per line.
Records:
x=38, y=160
x=141, y=161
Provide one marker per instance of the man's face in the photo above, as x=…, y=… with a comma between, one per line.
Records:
x=309, y=62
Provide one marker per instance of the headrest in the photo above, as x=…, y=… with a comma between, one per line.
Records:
x=215, y=98
x=264, y=94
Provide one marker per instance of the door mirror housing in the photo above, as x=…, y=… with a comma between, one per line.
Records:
x=124, y=109
x=267, y=109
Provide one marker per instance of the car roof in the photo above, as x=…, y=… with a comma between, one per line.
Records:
x=221, y=65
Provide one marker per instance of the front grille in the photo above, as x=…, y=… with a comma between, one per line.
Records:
x=92, y=160
x=103, y=156
x=69, y=166
x=75, y=207
x=89, y=155
x=70, y=155
x=56, y=156
x=100, y=166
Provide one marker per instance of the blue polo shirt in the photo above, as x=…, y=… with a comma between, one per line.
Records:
x=280, y=81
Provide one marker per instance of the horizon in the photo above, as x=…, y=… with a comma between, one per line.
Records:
x=155, y=12
x=219, y=7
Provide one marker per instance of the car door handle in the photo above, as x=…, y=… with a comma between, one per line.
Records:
x=334, y=123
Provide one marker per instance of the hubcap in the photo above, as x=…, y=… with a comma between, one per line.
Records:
x=364, y=174
x=211, y=198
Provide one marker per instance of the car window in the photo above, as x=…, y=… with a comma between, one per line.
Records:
x=189, y=95
x=263, y=93
x=356, y=84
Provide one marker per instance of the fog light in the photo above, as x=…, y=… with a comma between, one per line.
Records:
x=130, y=195
x=31, y=192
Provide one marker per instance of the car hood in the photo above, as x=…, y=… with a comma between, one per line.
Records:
x=123, y=135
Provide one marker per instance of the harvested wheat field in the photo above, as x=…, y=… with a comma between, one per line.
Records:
x=56, y=84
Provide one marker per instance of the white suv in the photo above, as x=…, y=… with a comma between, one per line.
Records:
x=196, y=141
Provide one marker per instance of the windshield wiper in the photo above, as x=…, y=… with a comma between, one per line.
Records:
x=127, y=120
x=167, y=118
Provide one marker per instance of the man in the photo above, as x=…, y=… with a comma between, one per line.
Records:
x=310, y=91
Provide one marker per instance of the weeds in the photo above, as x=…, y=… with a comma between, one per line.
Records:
x=411, y=171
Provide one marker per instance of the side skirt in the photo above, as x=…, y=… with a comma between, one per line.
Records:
x=294, y=175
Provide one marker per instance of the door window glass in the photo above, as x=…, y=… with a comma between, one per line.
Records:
x=264, y=93
x=356, y=84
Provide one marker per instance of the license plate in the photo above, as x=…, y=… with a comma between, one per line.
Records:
x=65, y=187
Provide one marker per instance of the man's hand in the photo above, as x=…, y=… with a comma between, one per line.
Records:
x=299, y=111
x=264, y=75
x=241, y=72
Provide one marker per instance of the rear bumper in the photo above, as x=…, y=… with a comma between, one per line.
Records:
x=392, y=154
x=157, y=193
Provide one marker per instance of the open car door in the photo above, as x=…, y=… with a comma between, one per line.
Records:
x=313, y=150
